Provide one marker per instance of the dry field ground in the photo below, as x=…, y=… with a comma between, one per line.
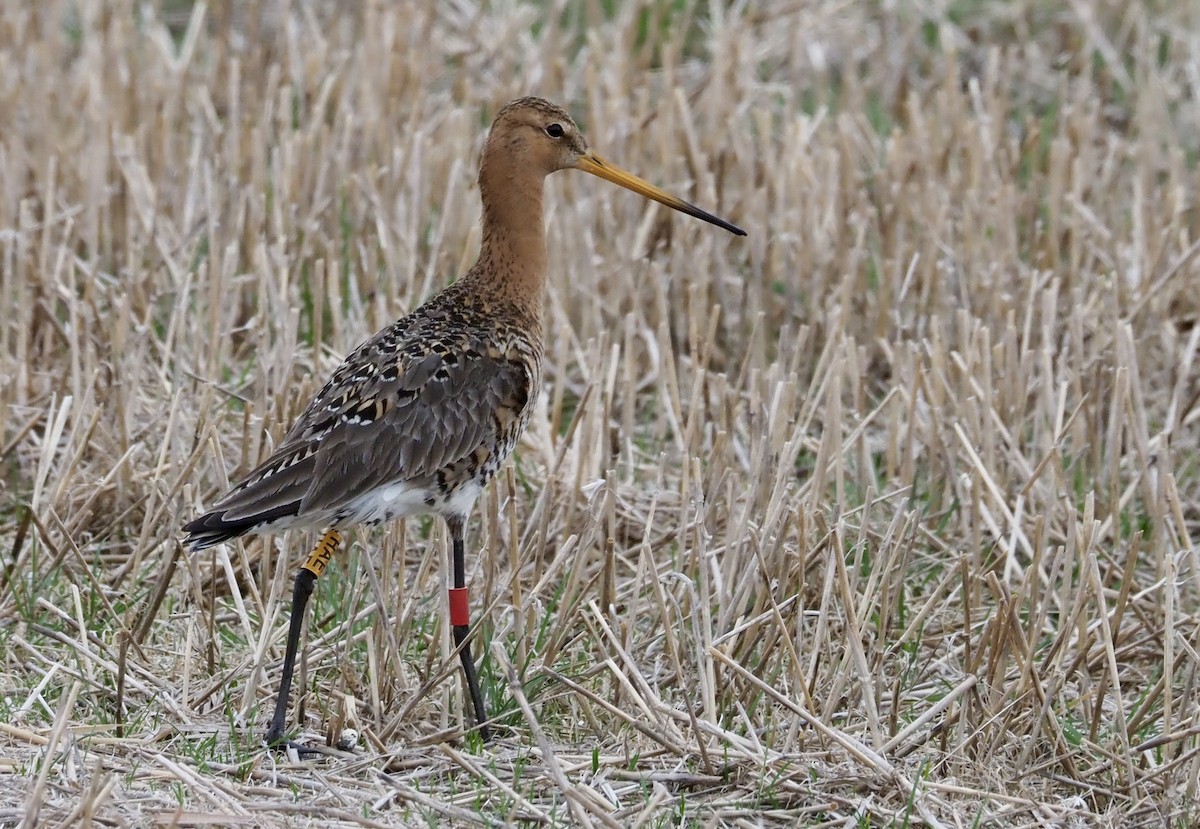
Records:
x=885, y=515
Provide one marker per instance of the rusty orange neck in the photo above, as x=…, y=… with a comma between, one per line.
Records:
x=512, y=255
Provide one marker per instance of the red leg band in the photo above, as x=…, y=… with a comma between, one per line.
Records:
x=460, y=607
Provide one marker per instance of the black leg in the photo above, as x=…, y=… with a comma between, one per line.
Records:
x=305, y=579
x=460, y=621
x=304, y=585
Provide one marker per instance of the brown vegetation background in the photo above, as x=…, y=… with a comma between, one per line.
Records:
x=882, y=516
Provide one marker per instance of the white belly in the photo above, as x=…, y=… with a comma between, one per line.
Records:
x=404, y=499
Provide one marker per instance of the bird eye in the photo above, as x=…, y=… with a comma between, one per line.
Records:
x=555, y=131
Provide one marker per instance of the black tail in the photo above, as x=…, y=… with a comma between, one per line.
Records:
x=213, y=528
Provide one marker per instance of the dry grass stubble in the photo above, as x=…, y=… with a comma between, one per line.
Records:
x=881, y=516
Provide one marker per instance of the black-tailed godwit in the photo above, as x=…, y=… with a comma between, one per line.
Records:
x=419, y=417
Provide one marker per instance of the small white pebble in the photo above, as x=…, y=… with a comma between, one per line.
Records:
x=348, y=739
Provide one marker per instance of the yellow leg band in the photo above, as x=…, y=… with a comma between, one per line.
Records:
x=322, y=554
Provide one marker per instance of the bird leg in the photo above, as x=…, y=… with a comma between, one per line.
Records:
x=318, y=560
x=460, y=621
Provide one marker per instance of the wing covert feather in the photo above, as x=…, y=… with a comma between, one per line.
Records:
x=435, y=413
x=418, y=399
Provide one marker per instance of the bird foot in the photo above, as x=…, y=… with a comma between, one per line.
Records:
x=300, y=751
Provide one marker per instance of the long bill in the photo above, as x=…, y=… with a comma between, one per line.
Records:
x=589, y=162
